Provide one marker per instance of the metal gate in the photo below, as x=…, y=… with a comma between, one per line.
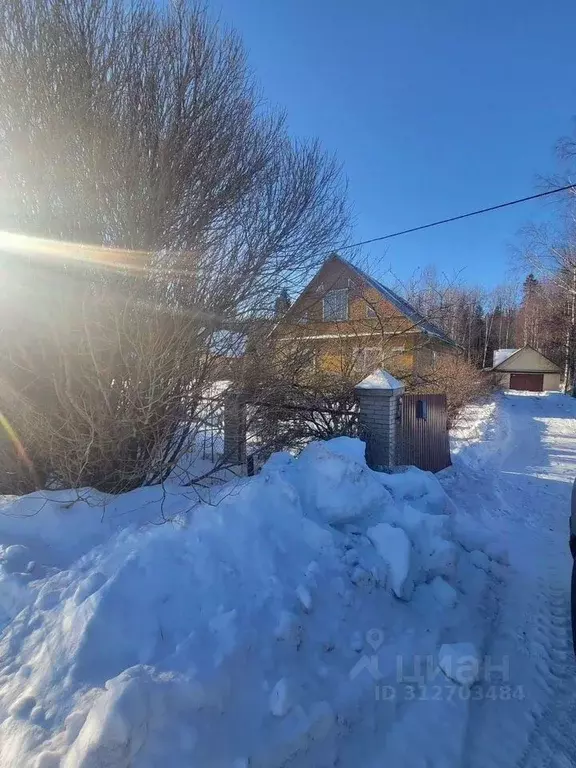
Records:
x=423, y=432
x=529, y=382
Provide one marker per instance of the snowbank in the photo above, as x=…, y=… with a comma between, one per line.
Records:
x=480, y=434
x=249, y=631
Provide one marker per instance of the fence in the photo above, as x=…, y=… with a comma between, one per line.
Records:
x=268, y=427
x=397, y=428
x=423, y=432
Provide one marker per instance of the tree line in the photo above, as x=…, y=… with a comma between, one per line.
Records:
x=539, y=312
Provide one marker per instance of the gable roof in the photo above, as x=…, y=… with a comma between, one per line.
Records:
x=553, y=367
x=502, y=354
x=426, y=326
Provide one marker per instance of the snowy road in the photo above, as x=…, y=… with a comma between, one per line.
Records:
x=516, y=482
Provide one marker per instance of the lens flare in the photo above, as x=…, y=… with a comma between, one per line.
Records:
x=15, y=440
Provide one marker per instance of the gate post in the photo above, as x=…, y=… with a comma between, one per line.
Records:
x=379, y=397
x=234, y=429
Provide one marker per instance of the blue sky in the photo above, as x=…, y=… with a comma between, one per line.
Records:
x=435, y=107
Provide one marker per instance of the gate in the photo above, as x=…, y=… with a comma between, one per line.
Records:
x=529, y=382
x=423, y=432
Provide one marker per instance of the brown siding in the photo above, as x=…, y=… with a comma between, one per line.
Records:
x=337, y=276
x=424, y=442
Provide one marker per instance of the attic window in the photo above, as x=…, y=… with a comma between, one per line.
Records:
x=370, y=312
x=335, y=305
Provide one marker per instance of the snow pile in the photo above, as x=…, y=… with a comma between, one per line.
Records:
x=480, y=434
x=248, y=631
x=460, y=662
x=395, y=549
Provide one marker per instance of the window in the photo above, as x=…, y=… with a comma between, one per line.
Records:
x=370, y=312
x=398, y=349
x=367, y=359
x=303, y=319
x=421, y=409
x=335, y=305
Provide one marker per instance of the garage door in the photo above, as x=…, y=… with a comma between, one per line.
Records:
x=531, y=382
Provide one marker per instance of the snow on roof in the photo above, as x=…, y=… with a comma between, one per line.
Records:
x=380, y=379
x=502, y=354
x=402, y=305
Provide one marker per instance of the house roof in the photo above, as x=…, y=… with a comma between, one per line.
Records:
x=502, y=354
x=426, y=326
x=497, y=366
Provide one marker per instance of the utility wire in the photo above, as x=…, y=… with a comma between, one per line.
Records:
x=457, y=218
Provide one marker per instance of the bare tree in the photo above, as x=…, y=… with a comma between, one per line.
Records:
x=461, y=381
x=163, y=207
x=549, y=317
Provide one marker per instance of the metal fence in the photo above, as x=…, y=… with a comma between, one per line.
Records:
x=236, y=429
x=290, y=427
x=423, y=432
x=240, y=431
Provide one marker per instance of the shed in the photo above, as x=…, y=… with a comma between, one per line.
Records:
x=526, y=369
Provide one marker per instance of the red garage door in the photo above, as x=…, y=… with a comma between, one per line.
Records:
x=531, y=382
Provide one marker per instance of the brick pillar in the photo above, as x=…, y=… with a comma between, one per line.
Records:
x=234, y=429
x=378, y=397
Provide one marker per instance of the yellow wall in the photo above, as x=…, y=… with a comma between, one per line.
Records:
x=404, y=349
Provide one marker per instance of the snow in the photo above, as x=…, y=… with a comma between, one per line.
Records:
x=394, y=547
x=500, y=355
x=475, y=438
x=381, y=379
x=444, y=592
x=280, y=699
x=510, y=486
x=57, y=527
x=345, y=448
x=304, y=597
x=255, y=629
x=460, y=662
x=317, y=614
x=336, y=489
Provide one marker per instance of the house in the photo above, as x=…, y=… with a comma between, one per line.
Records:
x=526, y=369
x=353, y=324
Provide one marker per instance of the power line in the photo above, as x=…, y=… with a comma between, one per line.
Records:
x=457, y=218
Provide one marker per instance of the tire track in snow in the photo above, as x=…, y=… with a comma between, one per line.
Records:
x=532, y=627
x=552, y=743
